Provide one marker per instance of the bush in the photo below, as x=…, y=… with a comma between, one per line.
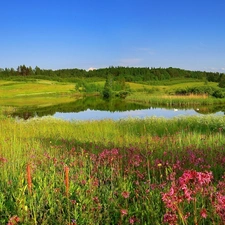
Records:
x=122, y=94
x=218, y=94
x=181, y=91
x=83, y=86
x=196, y=90
x=107, y=93
x=222, y=81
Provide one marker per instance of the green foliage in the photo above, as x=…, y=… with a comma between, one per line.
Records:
x=88, y=87
x=107, y=91
x=122, y=94
x=219, y=94
x=222, y=81
x=128, y=74
x=116, y=88
x=24, y=71
x=196, y=90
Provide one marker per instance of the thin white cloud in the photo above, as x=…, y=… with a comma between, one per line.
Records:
x=213, y=69
x=91, y=68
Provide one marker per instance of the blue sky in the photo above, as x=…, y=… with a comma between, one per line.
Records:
x=188, y=34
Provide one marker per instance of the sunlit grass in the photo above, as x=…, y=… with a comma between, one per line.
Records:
x=170, y=100
x=40, y=100
x=41, y=91
x=119, y=133
x=108, y=172
x=169, y=86
x=105, y=172
x=24, y=89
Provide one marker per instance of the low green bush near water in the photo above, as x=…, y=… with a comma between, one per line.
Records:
x=136, y=171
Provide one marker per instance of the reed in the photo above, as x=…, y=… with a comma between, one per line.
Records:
x=174, y=100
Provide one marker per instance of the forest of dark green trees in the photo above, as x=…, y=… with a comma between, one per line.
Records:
x=132, y=74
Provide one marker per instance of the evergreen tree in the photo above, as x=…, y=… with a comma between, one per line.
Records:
x=107, y=91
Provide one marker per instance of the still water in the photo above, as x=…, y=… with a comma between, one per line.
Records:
x=93, y=108
x=140, y=113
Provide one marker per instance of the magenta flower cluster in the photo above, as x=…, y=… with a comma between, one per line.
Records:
x=187, y=189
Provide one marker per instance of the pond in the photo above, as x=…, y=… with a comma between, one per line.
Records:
x=95, y=108
x=98, y=115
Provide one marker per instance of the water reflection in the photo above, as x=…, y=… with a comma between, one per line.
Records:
x=96, y=108
x=98, y=115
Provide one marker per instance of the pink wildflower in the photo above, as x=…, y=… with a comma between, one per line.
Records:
x=13, y=220
x=170, y=218
x=220, y=205
x=123, y=212
x=203, y=213
x=133, y=220
x=125, y=194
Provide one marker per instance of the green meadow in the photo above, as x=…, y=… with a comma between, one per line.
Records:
x=112, y=172
x=130, y=171
x=44, y=92
x=14, y=89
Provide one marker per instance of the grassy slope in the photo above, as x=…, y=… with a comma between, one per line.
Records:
x=15, y=89
x=40, y=87
x=45, y=92
x=163, y=94
x=161, y=89
x=39, y=92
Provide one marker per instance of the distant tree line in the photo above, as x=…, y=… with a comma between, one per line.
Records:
x=133, y=74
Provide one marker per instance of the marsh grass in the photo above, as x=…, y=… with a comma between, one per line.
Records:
x=105, y=172
x=174, y=100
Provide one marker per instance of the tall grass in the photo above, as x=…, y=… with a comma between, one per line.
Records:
x=174, y=100
x=111, y=172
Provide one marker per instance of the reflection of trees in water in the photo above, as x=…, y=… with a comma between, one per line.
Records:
x=210, y=109
x=27, y=115
x=97, y=103
x=93, y=103
x=30, y=113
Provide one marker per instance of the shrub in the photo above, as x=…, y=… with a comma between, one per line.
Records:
x=196, y=90
x=107, y=93
x=122, y=94
x=218, y=94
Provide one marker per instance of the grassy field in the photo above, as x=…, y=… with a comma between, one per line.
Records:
x=150, y=171
x=40, y=101
x=135, y=171
x=44, y=92
x=12, y=89
x=36, y=93
x=164, y=86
